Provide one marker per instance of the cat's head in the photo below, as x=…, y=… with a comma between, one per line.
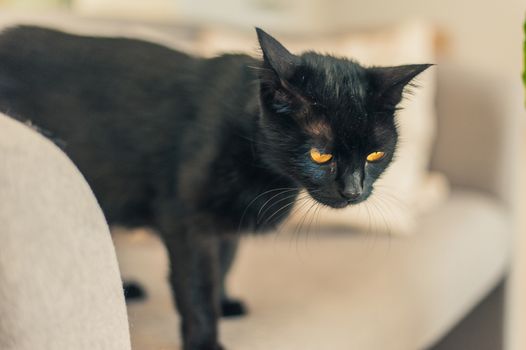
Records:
x=328, y=122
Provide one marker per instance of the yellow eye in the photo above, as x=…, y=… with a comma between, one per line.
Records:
x=375, y=156
x=319, y=157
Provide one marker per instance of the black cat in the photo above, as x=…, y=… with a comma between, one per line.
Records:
x=197, y=147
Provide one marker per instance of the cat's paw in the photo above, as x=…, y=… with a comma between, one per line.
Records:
x=133, y=292
x=233, y=308
x=214, y=346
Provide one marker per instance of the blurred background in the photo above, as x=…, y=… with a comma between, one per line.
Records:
x=485, y=36
x=481, y=40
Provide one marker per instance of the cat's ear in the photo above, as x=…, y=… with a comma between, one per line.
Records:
x=389, y=82
x=276, y=56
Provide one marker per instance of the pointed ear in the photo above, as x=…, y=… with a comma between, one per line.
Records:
x=389, y=82
x=277, y=56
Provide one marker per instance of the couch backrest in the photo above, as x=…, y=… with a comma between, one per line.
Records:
x=480, y=122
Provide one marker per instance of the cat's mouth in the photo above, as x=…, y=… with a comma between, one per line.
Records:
x=337, y=202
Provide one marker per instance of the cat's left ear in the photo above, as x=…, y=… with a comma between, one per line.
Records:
x=276, y=56
x=389, y=82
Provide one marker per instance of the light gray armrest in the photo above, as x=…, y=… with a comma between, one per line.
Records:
x=60, y=286
x=479, y=122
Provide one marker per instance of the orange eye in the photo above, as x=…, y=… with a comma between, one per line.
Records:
x=319, y=157
x=375, y=156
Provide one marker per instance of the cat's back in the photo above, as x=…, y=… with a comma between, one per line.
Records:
x=47, y=46
x=129, y=112
x=113, y=103
x=82, y=73
x=121, y=80
x=75, y=86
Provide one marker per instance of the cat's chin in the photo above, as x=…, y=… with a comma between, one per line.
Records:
x=333, y=203
x=338, y=203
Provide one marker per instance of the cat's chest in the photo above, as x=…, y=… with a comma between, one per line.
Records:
x=250, y=199
x=267, y=207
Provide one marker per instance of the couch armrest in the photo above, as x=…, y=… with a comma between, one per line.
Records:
x=60, y=286
x=480, y=119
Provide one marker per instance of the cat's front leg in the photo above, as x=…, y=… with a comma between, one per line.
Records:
x=195, y=281
x=229, y=307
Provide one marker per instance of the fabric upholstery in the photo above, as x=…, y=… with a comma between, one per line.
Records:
x=479, y=131
x=60, y=285
x=338, y=290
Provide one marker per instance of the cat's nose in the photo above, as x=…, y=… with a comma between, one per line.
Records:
x=351, y=194
x=353, y=187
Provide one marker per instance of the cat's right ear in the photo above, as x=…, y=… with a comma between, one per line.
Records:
x=389, y=82
x=276, y=56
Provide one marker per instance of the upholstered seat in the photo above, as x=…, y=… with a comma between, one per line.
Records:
x=342, y=290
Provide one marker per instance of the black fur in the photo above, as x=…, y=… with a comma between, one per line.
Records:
x=202, y=149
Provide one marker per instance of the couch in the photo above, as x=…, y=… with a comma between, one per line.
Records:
x=443, y=288
x=60, y=285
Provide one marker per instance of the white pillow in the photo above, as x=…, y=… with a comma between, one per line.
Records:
x=407, y=187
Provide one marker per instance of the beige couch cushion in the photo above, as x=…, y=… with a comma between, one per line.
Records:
x=341, y=291
x=60, y=286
